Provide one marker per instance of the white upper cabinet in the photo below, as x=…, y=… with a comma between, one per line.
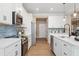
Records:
x=56, y=22
x=6, y=12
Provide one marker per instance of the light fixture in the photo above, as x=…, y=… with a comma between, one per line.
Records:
x=37, y=9
x=64, y=19
x=51, y=9
x=74, y=14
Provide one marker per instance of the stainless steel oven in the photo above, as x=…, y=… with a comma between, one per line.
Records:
x=24, y=46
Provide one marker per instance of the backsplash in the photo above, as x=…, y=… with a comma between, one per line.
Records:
x=7, y=31
x=56, y=30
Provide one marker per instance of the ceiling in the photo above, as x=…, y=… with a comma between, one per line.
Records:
x=45, y=7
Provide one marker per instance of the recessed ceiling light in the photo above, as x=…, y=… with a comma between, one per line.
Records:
x=37, y=9
x=51, y=9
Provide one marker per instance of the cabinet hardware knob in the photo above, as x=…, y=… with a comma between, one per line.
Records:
x=65, y=45
x=16, y=45
x=65, y=53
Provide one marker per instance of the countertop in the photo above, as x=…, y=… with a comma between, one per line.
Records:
x=68, y=39
x=5, y=42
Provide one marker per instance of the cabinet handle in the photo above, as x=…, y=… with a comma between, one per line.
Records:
x=65, y=45
x=65, y=53
x=16, y=45
x=55, y=44
x=16, y=53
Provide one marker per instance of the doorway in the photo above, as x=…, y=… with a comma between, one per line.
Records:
x=41, y=28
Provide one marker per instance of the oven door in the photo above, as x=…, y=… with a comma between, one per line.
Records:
x=24, y=48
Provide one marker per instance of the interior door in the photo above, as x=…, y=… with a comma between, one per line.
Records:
x=42, y=30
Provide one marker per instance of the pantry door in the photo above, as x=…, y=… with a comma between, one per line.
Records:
x=41, y=27
x=42, y=30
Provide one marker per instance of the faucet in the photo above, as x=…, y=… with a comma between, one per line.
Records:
x=69, y=28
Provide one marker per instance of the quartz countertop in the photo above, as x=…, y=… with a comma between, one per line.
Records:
x=5, y=42
x=67, y=39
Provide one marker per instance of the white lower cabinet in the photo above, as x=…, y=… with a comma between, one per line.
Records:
x=76, y=51
x=2, y=52
x=67, y=49
x=62, y=48
x=57, y=45
x=11, y=50
x=29, y=41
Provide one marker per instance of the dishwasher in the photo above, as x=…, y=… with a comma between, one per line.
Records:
x=51, y=43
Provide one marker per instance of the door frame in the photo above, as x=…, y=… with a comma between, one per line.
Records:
x=37, y=18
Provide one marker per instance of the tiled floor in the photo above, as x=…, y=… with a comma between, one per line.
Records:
x=40, y=49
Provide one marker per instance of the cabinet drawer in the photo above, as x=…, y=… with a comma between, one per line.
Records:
x=67, y=53
x=10, y=53
x=67, y=49
x=10, y=49
x=1, y=52
x=67, y=46
x=18, y=49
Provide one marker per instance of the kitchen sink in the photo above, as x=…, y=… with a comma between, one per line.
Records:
x=64, y=36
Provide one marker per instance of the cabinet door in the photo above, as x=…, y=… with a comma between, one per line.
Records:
x=18, y=49
x=1, y=52
x=76, y=51
x=10, y=50
x=14, y=49
x=67, y=49
x=57, y=47
x=54, y=23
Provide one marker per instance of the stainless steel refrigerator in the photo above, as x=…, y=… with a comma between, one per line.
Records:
x=33, y=33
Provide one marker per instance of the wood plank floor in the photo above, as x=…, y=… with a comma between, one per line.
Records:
x=40, y=49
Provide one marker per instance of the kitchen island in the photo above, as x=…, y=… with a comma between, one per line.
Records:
x=63, y=45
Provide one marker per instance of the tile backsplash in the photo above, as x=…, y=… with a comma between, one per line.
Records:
x=56, y=30
x=6, y=31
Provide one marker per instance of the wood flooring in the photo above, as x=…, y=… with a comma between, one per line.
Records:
x=40, y=49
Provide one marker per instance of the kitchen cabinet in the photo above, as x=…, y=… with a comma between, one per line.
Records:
x=67, y=49
x=62, y=48
x=76, y=51
x=57, y=46
x=12, y=50
x=56, y=22
x=63, y=45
